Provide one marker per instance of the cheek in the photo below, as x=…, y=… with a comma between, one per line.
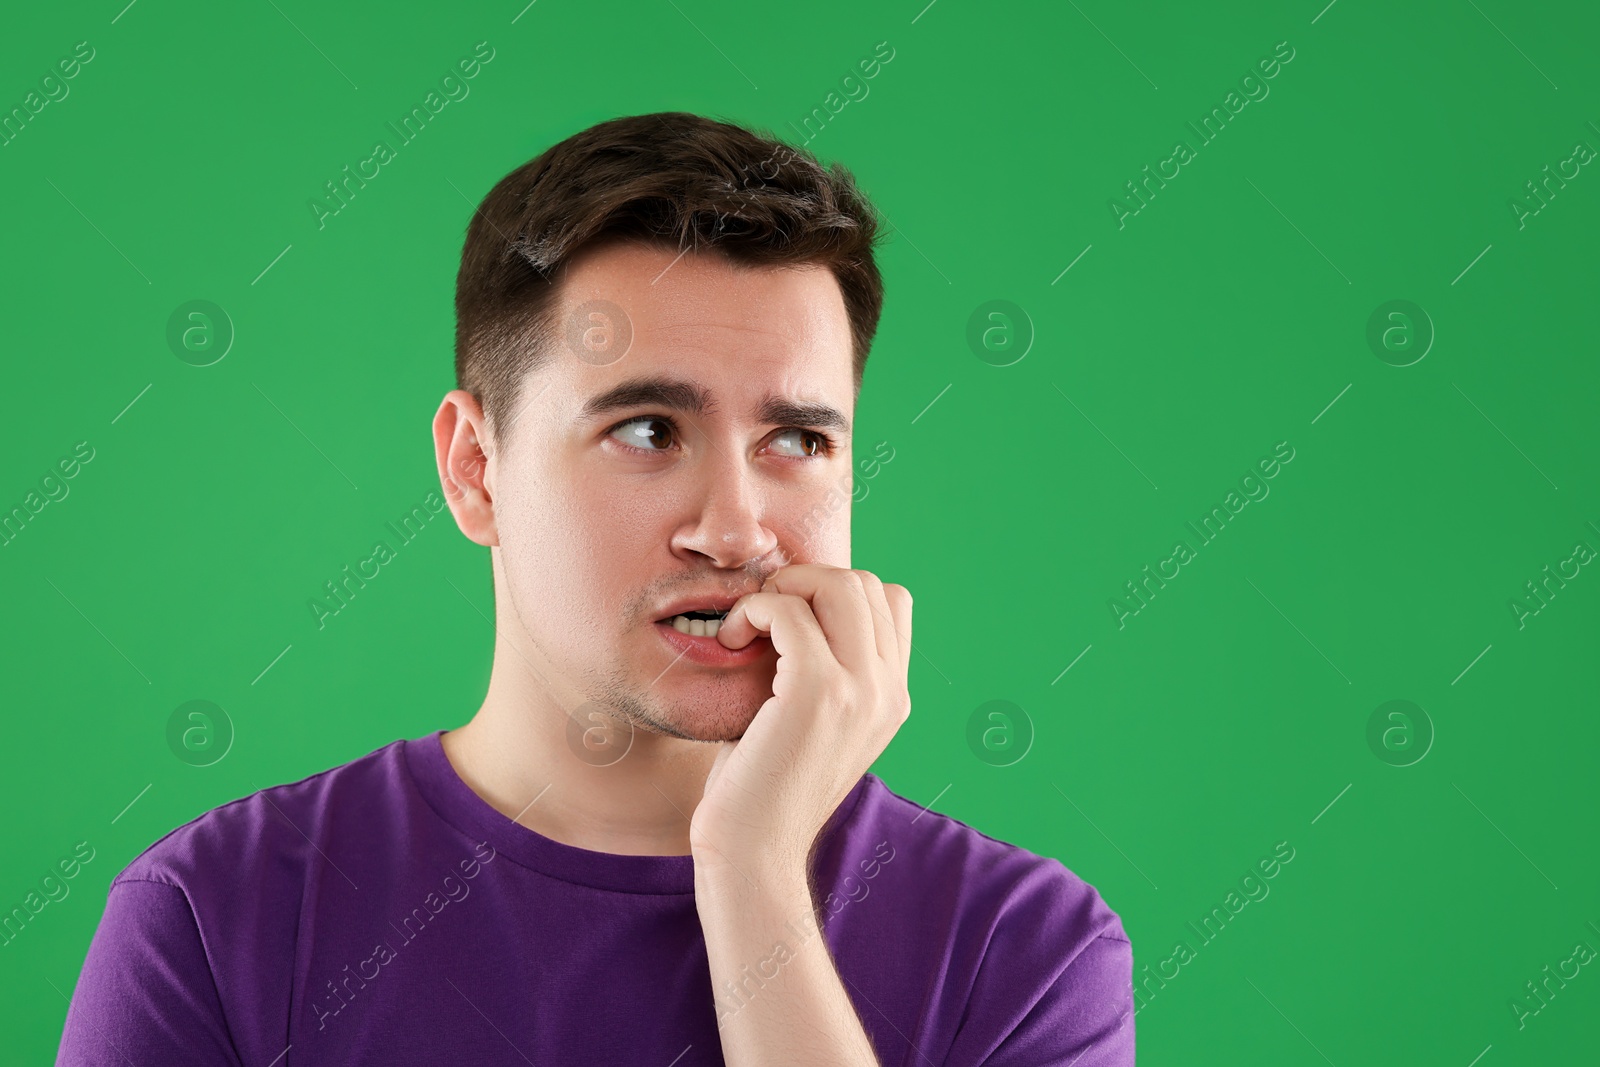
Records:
x=618, y=530
x=817, y=530
x=582, y=548
x=544, y=534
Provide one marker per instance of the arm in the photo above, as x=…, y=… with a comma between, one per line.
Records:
x=779, y=998
x=843, y=640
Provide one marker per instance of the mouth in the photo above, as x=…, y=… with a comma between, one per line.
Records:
x=698, y=614
x=690, y=630
x=697, y=623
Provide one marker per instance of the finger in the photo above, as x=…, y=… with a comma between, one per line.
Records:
x=786, y=619
x=899, y=598
x=883, y=621
x=839, y=600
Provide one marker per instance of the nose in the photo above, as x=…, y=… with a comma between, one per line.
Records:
x=726, y=523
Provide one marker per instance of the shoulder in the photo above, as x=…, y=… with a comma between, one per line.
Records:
x=1024, y=961
x=198, y=940
x=1013, y=926
x=997, y=883
x=270, y=833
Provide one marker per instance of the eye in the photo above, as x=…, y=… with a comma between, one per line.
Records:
x=812, y=443
x=648, y=433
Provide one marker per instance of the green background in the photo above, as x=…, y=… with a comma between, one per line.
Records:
x=1230, y=314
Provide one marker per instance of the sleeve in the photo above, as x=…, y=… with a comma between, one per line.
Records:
x=146, y=992
x=1085, y=1018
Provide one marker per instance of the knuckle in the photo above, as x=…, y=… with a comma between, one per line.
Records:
x=796, y=607
x=857, y=586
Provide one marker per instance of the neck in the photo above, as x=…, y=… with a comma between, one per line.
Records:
x=518, y=754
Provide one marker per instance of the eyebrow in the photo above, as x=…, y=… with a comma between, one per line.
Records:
x=692, y=399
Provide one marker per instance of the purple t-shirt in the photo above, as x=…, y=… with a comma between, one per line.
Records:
x=382, y=912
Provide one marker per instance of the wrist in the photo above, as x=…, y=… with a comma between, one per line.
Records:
x=744, y=881
x=742, y=911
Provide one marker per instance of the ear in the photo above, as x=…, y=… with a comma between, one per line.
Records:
x=459, y=434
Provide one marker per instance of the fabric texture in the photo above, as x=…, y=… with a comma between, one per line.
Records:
x=381, y=912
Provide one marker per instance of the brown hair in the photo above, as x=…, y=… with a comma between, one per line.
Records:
x=671, y=179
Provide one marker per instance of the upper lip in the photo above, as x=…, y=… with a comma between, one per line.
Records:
x=719, y=602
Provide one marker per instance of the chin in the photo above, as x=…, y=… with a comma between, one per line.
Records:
x=722, y=736
x=717, y=723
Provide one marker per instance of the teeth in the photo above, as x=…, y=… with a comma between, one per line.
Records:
x=696, y=627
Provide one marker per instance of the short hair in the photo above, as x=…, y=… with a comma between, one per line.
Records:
x=670, y=179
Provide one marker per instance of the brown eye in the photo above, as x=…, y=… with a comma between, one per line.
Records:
x=647, y=433
x=811, y=443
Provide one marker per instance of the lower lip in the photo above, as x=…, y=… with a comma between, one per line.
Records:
x=709, y=652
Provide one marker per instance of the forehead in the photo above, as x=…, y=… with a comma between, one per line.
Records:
x=732, y=327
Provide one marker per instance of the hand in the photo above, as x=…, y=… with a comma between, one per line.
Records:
x=843, y=639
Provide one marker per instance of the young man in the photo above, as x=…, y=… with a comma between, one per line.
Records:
x=656, y=842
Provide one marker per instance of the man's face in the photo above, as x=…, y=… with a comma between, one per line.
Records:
x=612, y=510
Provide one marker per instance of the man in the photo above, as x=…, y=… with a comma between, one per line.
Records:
x=657, y=841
